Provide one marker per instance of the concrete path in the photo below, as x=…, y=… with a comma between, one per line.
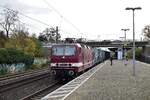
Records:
x=116, y=83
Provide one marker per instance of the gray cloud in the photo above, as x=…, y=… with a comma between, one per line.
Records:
x=23, y=8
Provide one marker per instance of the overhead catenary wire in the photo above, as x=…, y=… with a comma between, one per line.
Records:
x=27, y=16
x=71, y=35
x=35, y=19
x=30, y=18
x=43, y=23
x=49, y=5
x=30, y=25
x=60, y=23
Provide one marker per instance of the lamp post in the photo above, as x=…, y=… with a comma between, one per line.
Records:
x=125, y=43
x=133, y=9
x=125, y=33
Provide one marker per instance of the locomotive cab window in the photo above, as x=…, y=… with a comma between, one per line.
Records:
x=63, y=50
x=69, y=50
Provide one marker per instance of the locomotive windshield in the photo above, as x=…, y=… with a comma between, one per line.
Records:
x=63, y=50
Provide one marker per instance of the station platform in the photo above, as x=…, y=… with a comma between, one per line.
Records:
x=116, y=82
x=106, y=82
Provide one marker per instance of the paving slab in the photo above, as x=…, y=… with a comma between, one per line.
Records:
x=116, y=82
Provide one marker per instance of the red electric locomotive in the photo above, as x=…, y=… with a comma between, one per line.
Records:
x=70, y=59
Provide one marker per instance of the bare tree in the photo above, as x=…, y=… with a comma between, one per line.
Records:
x=49, y=35
x=49, y=32
x=3, y=39
x=20, y=27
x=42, y=38
x=8, y=20
x=146, y=31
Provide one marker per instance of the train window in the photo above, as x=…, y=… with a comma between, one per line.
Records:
x=63, y=50
x=57, y=51
x=69, y=50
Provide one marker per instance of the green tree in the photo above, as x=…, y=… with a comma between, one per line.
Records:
x=30, y=46
x=138, y=52
x=38, y=49
x=21, y=41
x=10, y=56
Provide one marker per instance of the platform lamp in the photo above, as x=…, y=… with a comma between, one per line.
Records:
x=133, y=9
x=125, y=42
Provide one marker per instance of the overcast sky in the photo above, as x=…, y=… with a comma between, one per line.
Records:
x=95, y=19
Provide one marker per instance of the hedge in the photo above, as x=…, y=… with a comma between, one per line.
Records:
x=13, y=56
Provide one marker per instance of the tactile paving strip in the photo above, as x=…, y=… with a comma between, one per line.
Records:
x=64, y=91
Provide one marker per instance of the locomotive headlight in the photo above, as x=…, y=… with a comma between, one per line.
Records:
x=71, y=72
x=53, y=64
x=53, y=72
x=77, y=64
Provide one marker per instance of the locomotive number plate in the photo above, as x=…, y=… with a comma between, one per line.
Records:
x=63, y=65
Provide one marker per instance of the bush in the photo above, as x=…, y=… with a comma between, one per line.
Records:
x=13, y=56
x=129, y=54
x=3, y=56
x=28, y=60
x=138, y=52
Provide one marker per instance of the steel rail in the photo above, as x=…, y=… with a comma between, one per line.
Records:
x=37, y=93
x=10, y=76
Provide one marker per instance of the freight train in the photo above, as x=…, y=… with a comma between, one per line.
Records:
x=70, y=59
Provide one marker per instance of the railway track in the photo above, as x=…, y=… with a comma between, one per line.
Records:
x=11, y=76
x=41, y=93
x=11, y=82
x=22, y=80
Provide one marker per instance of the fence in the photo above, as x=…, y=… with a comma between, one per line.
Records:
x=145, y=59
